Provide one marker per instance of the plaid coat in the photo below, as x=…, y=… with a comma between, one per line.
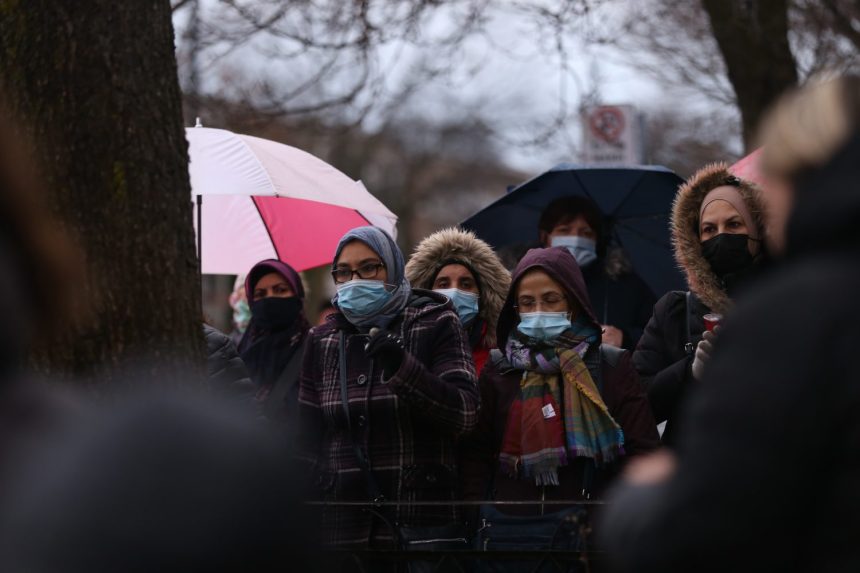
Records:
x=408, y=426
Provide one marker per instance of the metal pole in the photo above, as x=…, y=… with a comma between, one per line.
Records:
x=200, y=232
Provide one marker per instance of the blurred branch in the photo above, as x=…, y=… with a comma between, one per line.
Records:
x=673, y=43
x=177, y=5
x=844, y=17
x=340, y=56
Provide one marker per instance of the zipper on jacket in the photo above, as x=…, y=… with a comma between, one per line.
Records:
x=485, y=525
x=542, y=498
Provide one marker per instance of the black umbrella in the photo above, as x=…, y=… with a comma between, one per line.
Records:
x=636, y=202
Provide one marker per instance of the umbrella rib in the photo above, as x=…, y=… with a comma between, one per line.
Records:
x=366, y=220
x=266, y=227
x=630, y=192
x=260, y=165
x=585, y=189
x=643, y=236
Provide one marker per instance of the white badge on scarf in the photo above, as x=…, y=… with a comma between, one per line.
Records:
x=548, y=411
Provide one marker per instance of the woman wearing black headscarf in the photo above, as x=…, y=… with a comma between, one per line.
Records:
x=272, y=344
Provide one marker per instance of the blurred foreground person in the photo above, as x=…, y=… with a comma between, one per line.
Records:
x=718, y=231
x=273, y=343
x=621, y=300
x=387, y=388
x=36, y=257
x=560, y=412
x=40, y=294
x=163, y=484
x=464, y=268
x=768, y=464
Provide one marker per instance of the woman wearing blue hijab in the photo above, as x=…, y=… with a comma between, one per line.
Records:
x=387, y=386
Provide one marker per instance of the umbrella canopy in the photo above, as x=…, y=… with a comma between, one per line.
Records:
x=261, y=200
x=636, y=202
x=748, y=168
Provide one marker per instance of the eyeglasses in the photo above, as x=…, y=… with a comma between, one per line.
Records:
x=550, y=302
x=365, y=271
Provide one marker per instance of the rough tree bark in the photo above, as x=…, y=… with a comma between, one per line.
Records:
x=94, y=86
x=753, y=39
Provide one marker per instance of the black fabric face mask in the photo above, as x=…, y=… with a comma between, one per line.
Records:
x=275, y=313
x=728, y=254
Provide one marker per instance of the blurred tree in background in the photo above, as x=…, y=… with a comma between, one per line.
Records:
x=739, y=55
x=363, y=63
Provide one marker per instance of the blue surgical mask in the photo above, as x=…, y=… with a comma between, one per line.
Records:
x=360, y=298
x=465, y=303
x=583, y=249
x=544, y=326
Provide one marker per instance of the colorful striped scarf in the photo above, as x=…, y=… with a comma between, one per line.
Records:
x=541, y=436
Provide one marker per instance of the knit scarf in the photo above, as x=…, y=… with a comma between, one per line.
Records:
x=559, y=414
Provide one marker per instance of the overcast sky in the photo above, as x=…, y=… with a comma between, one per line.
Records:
x=512, y=75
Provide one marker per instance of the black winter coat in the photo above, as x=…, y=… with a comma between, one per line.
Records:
x=662, y=358
x=769, y=462
x=623, y=301
x=225, y=370
x=663, y=363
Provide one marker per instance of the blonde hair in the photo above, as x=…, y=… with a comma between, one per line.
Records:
x=808, y=126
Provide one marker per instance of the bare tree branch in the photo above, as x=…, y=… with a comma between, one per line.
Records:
x=843, y=18
x=177, y=5
x=328, y=32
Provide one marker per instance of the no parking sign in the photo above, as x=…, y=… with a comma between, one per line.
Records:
x=612, y=134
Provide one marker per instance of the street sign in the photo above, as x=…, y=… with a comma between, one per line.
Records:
x=612, y=135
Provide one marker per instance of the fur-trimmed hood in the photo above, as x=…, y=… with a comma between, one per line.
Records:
x=455, y=244
x=702, y=280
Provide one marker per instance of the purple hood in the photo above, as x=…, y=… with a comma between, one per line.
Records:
x=263, y=268
x=558, y=263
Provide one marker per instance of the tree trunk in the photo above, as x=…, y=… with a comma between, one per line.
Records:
x=94, y=86
x=753, y=38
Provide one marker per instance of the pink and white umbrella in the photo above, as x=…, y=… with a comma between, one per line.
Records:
x=259, y=199
x=748, y=168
